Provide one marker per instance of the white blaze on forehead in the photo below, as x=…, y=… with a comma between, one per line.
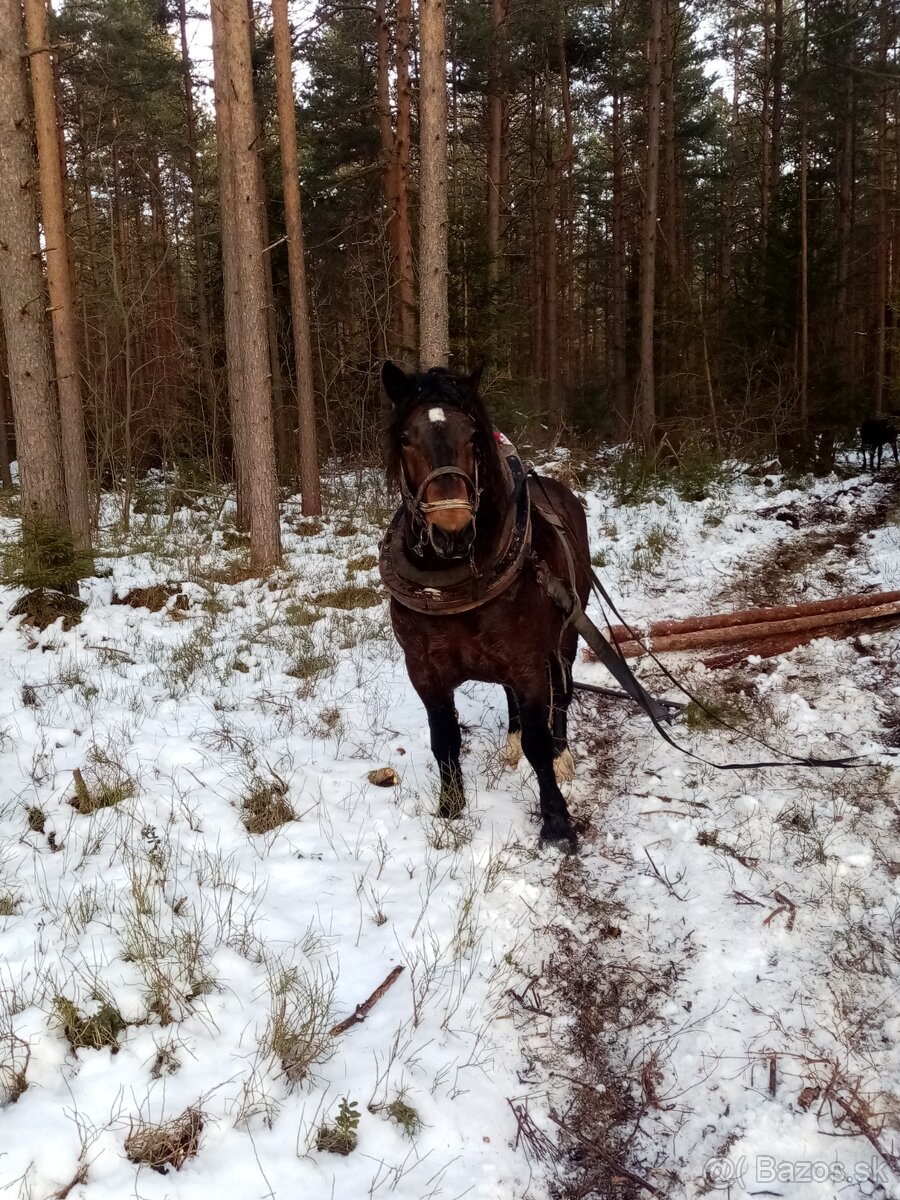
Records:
x=436, y=415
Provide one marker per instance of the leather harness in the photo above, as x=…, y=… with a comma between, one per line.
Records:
x=468, y=585
x=459, y=589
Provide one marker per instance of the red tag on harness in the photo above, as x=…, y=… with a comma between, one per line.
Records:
x=501, y=438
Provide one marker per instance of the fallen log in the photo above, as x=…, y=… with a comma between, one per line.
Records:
x=770, y=647
x=754, y=616
x=704, y=639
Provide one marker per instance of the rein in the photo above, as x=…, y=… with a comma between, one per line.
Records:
x=615, y=663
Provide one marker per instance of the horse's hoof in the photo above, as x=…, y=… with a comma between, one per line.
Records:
x=564, y=766
x=451, y=810
x=560, y=835
x=513, y=749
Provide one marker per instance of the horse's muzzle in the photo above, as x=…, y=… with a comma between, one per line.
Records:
x=451, y=543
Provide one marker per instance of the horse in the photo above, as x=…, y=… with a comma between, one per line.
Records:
x=463, y=560
x=874, y=434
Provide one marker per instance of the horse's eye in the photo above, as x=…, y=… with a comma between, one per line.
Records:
x=404, y=439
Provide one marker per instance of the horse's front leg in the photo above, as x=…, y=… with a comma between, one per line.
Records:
x=537, y=744
x=446, y=743
x=514, y=729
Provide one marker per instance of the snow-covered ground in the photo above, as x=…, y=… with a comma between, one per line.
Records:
x=705, y=999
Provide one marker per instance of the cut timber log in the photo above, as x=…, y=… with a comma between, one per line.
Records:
x=802, y=628
x=755, y=616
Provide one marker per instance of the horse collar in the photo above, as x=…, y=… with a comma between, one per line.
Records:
x=464, y=586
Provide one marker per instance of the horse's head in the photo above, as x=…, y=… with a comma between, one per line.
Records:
x=440, y=452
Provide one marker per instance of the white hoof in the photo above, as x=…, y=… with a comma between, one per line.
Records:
x=513, y=749
x=564, y=767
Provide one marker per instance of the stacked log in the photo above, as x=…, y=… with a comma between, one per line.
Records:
x=760, y=631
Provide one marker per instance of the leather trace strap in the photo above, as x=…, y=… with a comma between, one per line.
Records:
x=620, y=670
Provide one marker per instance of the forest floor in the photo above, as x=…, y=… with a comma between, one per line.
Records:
x=198, y=879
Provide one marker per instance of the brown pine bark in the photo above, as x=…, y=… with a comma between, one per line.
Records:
x=59, y=278
x=725, y=268
x=35, y=411
x=287, y=133
x=777, y=114
x=882, y=247
x=496, y=128
x=646, y=389
x=619, y=368
x=551, y=282
x=803, y=390
x=233, y=359
x=566, y=328
x=765, y=140
x=844, y=336
x=406, y=282
x=395, y=154
x=671, y=212
x=246, y=280
x=207, y=379
x=5, y=415
x=434, y=333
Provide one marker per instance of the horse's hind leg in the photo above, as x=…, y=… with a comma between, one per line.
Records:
x=537, y=743
x=514, y=734
x=446, y=743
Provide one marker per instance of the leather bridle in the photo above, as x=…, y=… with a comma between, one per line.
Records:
x=419, y=508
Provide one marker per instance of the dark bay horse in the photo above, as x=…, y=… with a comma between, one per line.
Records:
x=458, y=497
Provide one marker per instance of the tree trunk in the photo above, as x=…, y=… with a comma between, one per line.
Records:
x=5, y=473
x=254, y=429
x=565, y=205
x=765, y=146
x=803, y=397
x=777, y=116
x=882, y=248
x=230, y=273
x=207, y=375
x=287, y=134
x=434, y=335
x=646, y=395
x=551, y=288
x=496, y=124
x=619, y=363
x=732, y=159
x=395, y=152
x=38, y=439
x=59, y=279
x=672, y=247
x=844, y=337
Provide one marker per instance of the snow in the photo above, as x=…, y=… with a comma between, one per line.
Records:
x=777, y=933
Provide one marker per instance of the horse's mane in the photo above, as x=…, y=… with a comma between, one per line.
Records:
x=440, y=386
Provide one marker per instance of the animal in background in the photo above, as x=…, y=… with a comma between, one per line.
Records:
x=874, y=434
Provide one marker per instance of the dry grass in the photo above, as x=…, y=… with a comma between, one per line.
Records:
x=300, y=1020
x=365, y=562
x=89, y=1033
x=43, y=606
x=108, y=786
x=301, y=617
x=349, y=596
x=155, y=597
x=168, y=1145
x=15, y=1055
x=265, y=805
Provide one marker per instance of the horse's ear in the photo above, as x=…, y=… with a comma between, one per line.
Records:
x=396, y=382
x=473, y=379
